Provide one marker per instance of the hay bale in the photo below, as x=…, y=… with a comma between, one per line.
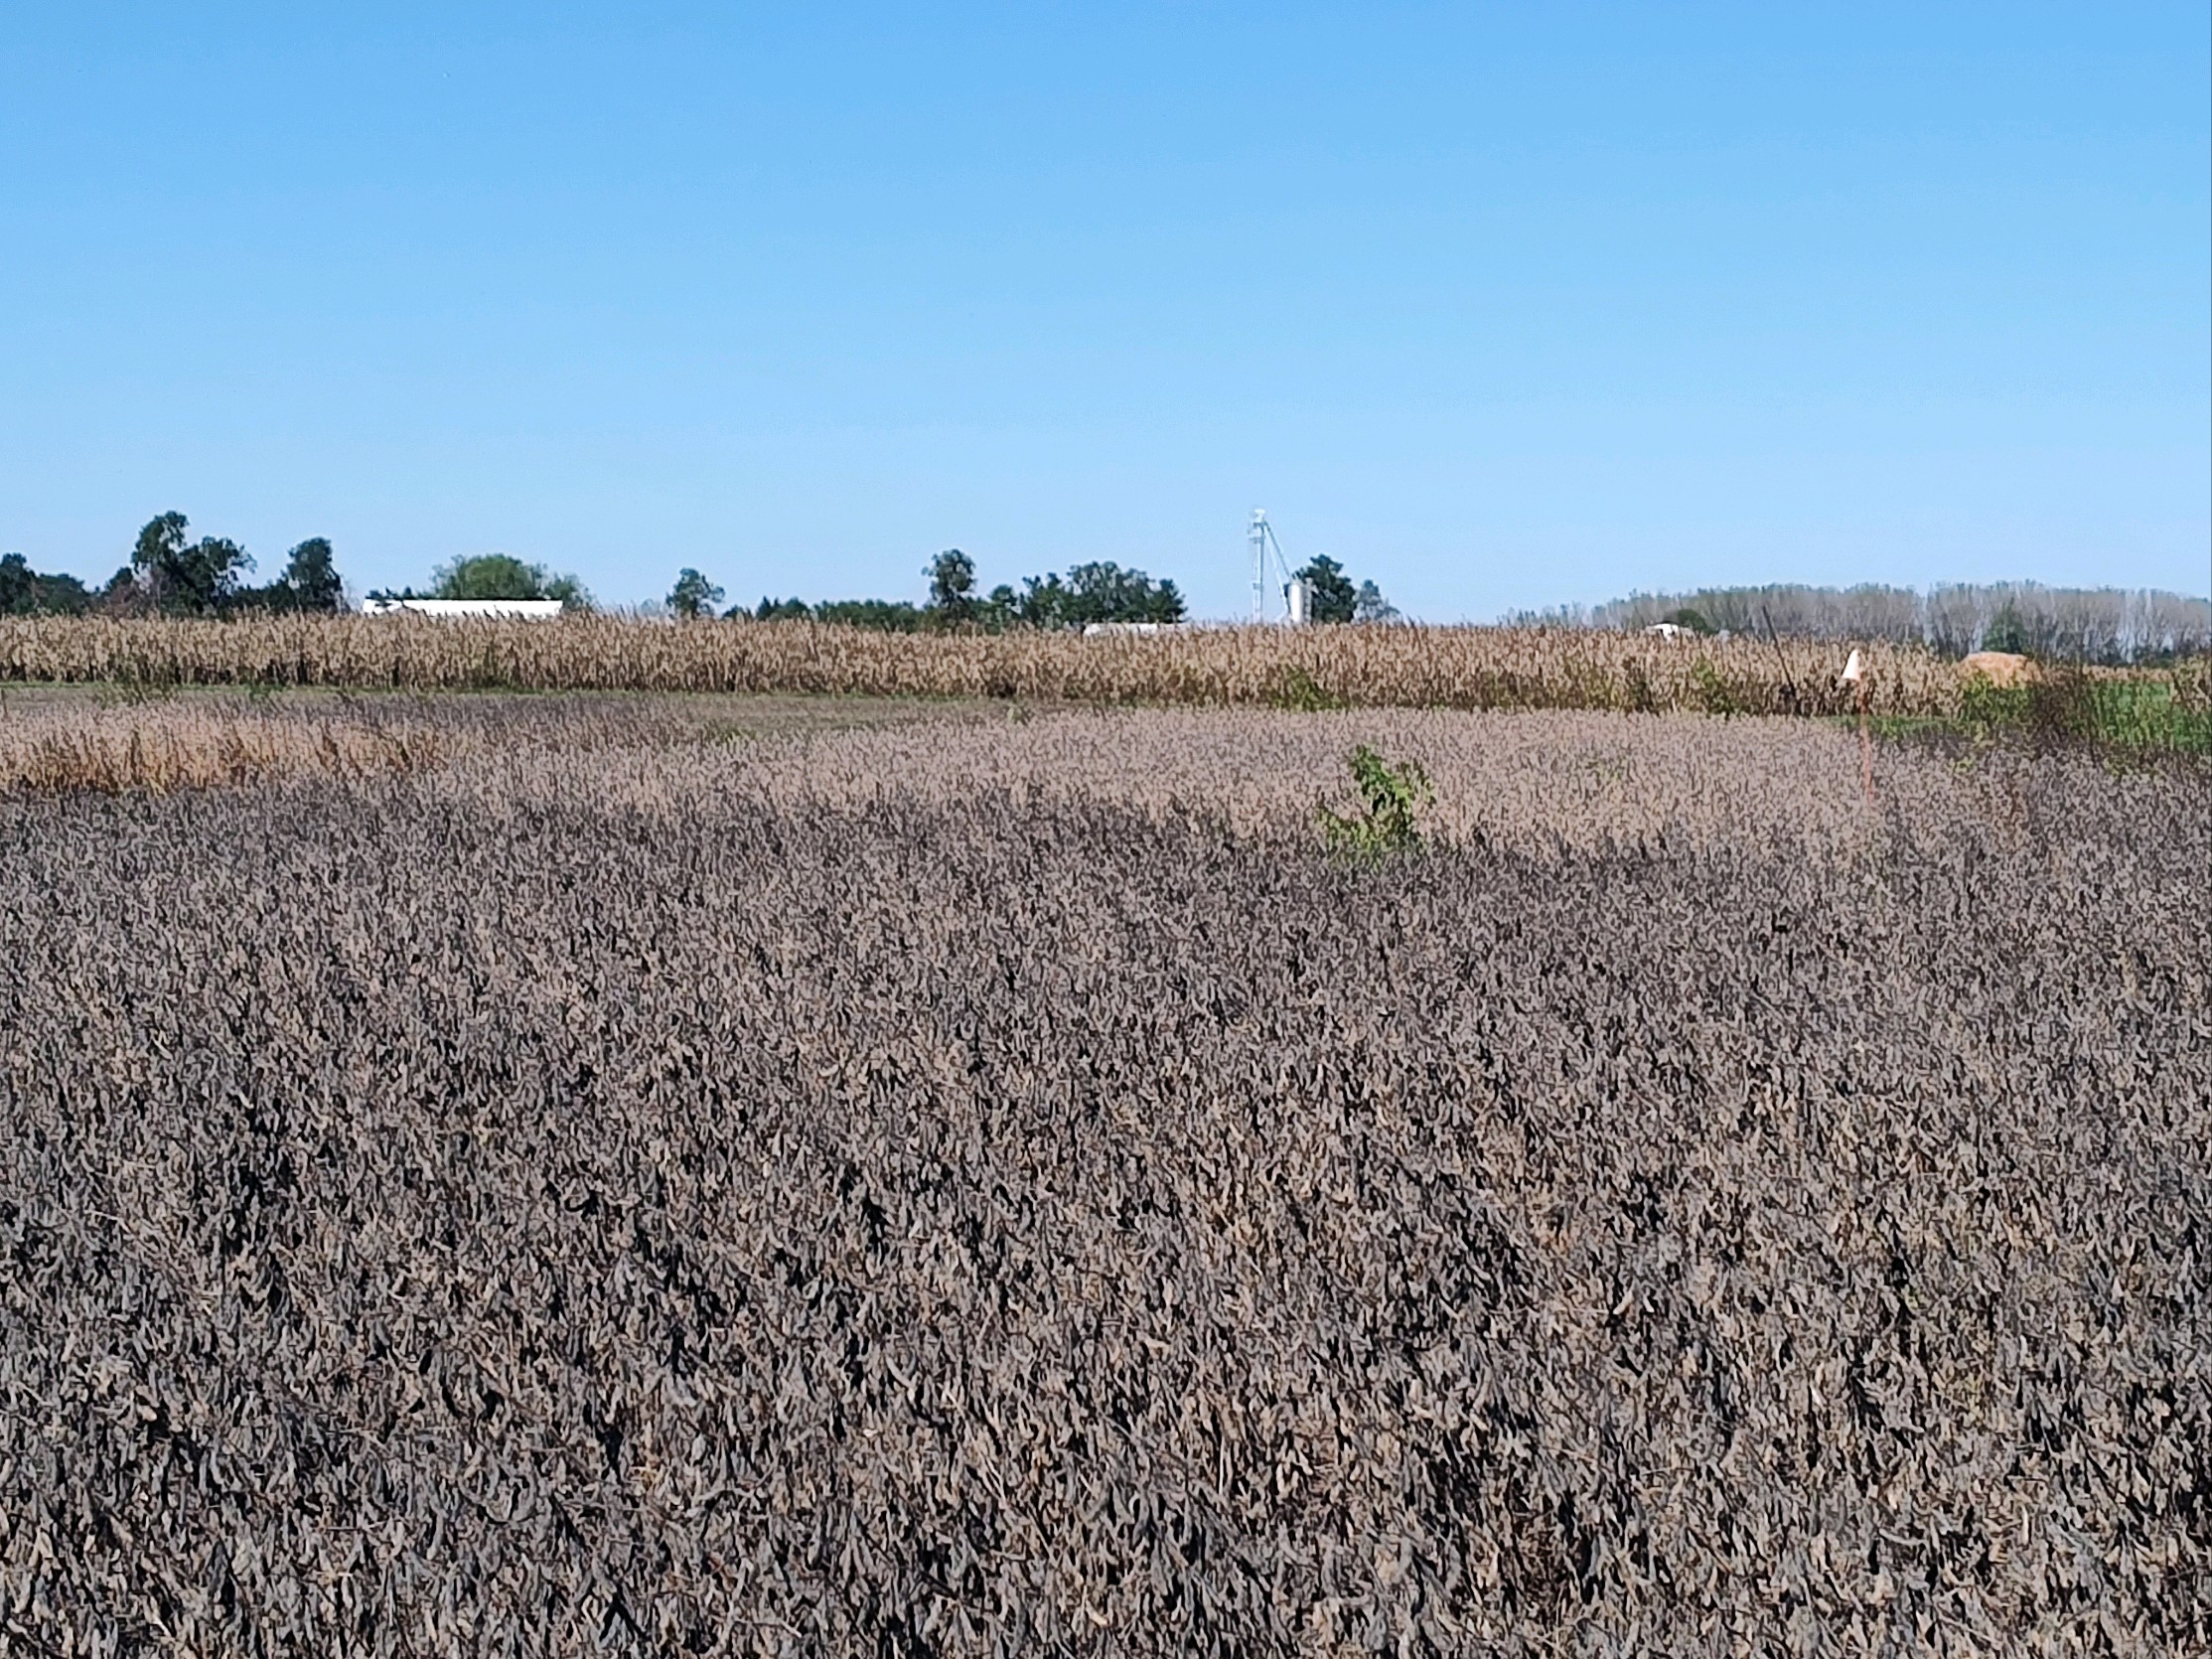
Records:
x=2001, y=667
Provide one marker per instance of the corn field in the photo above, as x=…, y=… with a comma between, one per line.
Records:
x=1001, y=1186
x=1408, y=667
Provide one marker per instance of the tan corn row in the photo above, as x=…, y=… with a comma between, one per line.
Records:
x=1413, y=666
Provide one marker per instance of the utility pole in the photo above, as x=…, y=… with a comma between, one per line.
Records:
x=1259, y=536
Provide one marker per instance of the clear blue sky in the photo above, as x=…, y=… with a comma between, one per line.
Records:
x=1502, y=305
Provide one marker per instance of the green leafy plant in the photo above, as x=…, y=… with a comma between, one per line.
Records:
x=1298, y=691
x=2065, y=705
x=1390, y=796
x=1715, y=694
x=141, y=682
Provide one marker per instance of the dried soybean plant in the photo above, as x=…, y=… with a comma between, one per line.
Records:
x=63, y=742
x=166, y=745
x=996, y=1189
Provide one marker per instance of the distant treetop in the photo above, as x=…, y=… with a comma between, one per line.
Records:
x=1099, y=591
x=25, y=592
x=694, y=596
x=504, y=576
x=1332, y=597
x=175, y=576
x=2091, y=625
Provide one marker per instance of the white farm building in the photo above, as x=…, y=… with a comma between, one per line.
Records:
x=499, y=610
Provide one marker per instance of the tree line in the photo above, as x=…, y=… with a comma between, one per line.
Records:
x=1096, y=591
x=2109, y=624
x=171, y=575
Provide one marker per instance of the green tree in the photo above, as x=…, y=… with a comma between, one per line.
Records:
x=778, y=610
x=1044, y=601
x=160, y=544
x=694, y=596
x=2007, y=631
x=1126, y=595
x=1330, y=595
x=190, y=579
x=487, y=576
x=1371, y=606
x=310, y=581
x=571, y=593
x=19, y=586
x=504, y=576
x=951, y=589
x=885, y=616
x=1100, y=591
x=212, y=566
x=25, y=592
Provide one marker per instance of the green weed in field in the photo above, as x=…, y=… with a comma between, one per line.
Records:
x=1390, y=796
x=2069, y=705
